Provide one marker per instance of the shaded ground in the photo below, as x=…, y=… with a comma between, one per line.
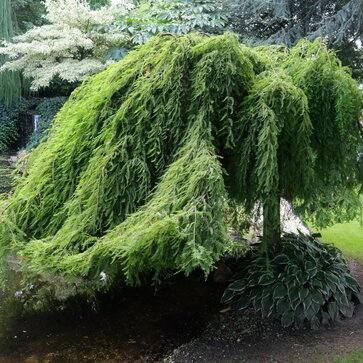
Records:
x=181, y=322
x=140, y=327
x=236, y=337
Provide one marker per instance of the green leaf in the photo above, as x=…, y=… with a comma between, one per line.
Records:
x=299, y=314
x=317, y=283
x=341, y=299
x=238, y=286
x=227, y=296
x=317, y=296
x=261, y=261
x=257, y=304
x=287, y=318
x=256, y=293
x=332, y=286
x=303, y=293
x=325, y=318
x=267, y=305
x=243, y=302
x=307, y=301
x=281, y=259
x=300, y=277
x=352, y=283
x=309, y=265
x=282, y=305
x=332, y=278
x=293, y=292
x=311, y=273
x=333, y=310
x=310, y=313
x=266, y=280
x=280, y=291
x=267, y=290
x=294, y=304
x=315, y=307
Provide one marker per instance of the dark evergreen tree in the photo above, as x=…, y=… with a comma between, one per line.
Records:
x=339, y=22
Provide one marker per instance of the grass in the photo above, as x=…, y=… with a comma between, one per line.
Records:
x=356, y=357
x=346, y=236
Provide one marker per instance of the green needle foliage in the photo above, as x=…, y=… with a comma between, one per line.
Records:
x=142, y=161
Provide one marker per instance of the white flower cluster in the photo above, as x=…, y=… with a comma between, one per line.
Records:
x=70, y=47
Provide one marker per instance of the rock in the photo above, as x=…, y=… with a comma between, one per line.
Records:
x=18, y=160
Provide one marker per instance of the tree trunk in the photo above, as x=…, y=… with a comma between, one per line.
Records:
x=271, y=221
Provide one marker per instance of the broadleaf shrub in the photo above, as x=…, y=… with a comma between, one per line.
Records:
x=303, y=280
x=11, y=122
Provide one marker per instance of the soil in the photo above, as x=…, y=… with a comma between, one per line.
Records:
x=140, y=326
x=181, y=322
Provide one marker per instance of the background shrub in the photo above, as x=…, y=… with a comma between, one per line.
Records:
x=47, y=108
x=15, y=121
x=302, y=280
x=11, y=118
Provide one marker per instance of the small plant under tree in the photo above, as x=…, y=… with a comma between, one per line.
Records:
x=138, y=171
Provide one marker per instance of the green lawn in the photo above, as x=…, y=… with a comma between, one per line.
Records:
x=356, y=357
x=348, y=237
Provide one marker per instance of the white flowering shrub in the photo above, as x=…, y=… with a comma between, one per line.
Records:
x=70, y=46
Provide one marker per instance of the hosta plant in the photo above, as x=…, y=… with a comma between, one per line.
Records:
x=302, y=280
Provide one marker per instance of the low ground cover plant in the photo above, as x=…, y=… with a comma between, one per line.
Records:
x=301, y=280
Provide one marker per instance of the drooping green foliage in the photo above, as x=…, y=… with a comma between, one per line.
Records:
x=305, y=281
x=143, y=159
x=334, y=108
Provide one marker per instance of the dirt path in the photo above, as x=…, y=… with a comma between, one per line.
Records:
x=181, y=322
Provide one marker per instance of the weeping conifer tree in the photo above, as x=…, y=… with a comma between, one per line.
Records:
x=146, y=157
x=10, y=82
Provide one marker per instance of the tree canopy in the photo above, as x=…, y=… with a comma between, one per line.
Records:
x=176, y=17
x=145, y=158
x=69, y=46
x=339, y=22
